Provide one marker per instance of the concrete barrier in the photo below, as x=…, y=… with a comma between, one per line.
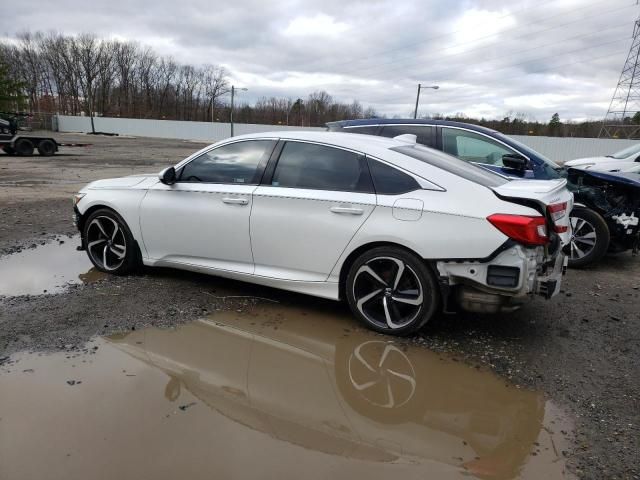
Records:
x=559, y=149
x=205, y=131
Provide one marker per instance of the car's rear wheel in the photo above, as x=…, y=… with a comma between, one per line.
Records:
x=109, y=243
x=589, y=239
x=392, y=291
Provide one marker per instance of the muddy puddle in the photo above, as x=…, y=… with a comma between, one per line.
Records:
x=273, y=393
x=47, y=268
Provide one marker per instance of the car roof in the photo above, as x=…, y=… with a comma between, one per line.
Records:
x=347, y=140
x=407, y=121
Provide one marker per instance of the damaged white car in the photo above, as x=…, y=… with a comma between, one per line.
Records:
x=398, y=230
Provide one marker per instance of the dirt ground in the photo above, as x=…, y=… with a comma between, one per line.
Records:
x=581, y=349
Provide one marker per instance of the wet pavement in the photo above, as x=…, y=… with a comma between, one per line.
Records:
x=47, y=268
x=271, y=392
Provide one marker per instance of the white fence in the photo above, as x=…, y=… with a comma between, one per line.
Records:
x=205, y=131
x=556, y=148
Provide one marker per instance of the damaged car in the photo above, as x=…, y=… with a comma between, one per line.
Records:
x=604, y=218
x=397, y=230
x=615, y=197
x=627, y=160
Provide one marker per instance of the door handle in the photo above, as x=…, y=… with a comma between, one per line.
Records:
x=235, y=200
x=347, y=210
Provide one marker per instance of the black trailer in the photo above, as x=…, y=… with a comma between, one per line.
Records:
x=25, y=145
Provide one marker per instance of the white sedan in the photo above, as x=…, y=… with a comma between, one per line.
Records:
x=396, y=229
x=626, y=161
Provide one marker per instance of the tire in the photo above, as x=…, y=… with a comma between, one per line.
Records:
x=46, y=147
x=589, y=239
x=23, y=147
x=106, y=236
x=9, y=150
x=387, y=302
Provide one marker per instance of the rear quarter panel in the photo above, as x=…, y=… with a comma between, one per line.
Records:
x=452, y=224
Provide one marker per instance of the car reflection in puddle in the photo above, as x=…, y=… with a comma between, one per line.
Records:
x=275, y=392
x=309, y=381
x=48, y=268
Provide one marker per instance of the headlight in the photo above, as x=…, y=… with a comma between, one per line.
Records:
x=77, y=197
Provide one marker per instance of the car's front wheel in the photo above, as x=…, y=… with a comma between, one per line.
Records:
x=589, y=239
x=109, y=243
x=392, y=291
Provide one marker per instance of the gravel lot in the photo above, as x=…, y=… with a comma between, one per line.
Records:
x=582, y=349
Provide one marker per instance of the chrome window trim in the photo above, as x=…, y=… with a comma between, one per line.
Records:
x=391, y=125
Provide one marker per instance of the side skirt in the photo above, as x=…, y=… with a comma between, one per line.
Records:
x=327, y=290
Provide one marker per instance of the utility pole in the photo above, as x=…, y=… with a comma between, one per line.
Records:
x=625, y=103
x=420, y=87
x=233, y=92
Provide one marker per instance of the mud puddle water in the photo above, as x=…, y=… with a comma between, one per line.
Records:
x=275, y=392
x=47, y=268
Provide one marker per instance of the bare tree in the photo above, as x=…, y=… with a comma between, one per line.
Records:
x=215, y=85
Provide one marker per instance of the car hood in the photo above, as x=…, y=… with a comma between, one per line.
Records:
x=587, y=161
x=615, y=166
x=122, y=182
x=625, y=178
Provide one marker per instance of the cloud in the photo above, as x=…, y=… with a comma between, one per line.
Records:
x=489, y=57
x=319, y=25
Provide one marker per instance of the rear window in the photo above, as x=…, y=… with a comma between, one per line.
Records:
x=453, y=165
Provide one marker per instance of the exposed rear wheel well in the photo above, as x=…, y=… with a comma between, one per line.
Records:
x=346, y=266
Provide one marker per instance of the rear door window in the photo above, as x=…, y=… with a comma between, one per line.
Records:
x=320, y=167
x=424, y=133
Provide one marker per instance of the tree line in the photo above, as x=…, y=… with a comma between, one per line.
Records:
x=84, y=74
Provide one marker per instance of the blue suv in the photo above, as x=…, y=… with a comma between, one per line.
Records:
x=608, y=204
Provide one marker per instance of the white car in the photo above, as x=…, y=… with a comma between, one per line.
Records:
x=396, y=229
x=626, y=161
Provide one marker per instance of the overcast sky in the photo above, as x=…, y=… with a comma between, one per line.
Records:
x=488, y=57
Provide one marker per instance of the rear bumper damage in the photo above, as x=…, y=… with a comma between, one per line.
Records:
x=505, y=282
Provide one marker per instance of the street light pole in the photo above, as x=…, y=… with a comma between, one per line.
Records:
x=420, y=87
x=233, y=92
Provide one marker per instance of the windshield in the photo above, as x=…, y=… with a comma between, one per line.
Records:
x=453, y=165
x=627, y=152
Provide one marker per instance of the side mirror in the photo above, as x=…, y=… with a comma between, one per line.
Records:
x=168, y=176
x=514, y=161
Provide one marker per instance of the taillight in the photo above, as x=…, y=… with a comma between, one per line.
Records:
x=556, y=212
x=523, y=229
